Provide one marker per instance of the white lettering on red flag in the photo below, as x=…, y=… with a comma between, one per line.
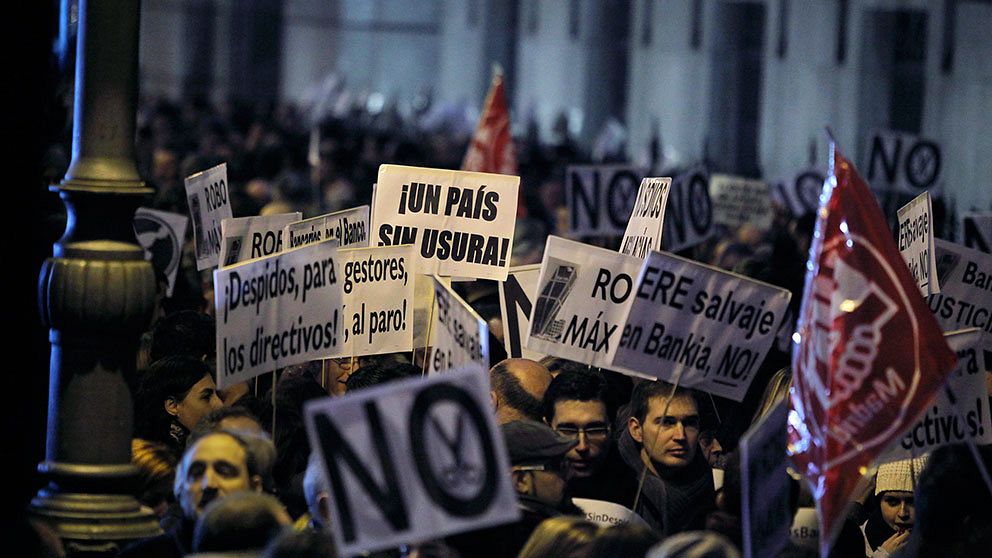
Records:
x=869, y=356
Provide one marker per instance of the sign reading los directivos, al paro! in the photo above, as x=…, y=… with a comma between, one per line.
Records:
x=461, y=222
x=276, y=311
x=206, y=193
x=710, y=328
x=412, y=460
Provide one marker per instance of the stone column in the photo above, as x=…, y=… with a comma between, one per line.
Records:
x=97, y=295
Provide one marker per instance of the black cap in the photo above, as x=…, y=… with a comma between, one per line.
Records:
x=534, y=443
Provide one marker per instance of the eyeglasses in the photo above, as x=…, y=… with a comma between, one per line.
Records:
x=596, y=433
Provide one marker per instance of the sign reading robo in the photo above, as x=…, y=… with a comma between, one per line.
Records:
x=869, y=356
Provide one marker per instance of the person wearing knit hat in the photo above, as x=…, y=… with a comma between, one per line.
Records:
x=891, y=518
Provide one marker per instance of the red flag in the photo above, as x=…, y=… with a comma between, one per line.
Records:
x=491, y=148
x=869, y=358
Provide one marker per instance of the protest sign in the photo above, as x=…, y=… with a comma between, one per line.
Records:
x=976, y=231
x=600, y=198
x=916, y=242
x=247, y=238
x=162, y=235
x=607, y=514
x=458, y=336
x=947, y=420
x=279, y=310
x=206, y=193
x=647, y=219
x=516, y=296
x=737, y=200
x=350, y=227
x=580, y=304
x=869, y=356
x=689, y=212
x=462, y=222
x=698, y=325
x=904, y=163
x=412, y=460
x=800, y=194
x=767, y=514
x=378, y=290
x=965, y=298
x=805, y=530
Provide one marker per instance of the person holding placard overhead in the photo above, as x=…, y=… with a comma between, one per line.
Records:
x=661, y=443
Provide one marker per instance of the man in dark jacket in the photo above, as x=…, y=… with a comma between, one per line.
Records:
x=662, y=437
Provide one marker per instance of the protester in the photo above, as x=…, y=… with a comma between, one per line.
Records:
x=576, y=405
x=560, y=536
x=891, y=516
x=244, y=521
x=661, y=443
x=518, y=384
x=627, y=540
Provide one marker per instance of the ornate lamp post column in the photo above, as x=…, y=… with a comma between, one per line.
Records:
x=97, y=295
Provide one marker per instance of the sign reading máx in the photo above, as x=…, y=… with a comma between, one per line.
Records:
x=412, y=460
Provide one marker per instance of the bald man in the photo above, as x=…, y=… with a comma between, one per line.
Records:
x=518, y=385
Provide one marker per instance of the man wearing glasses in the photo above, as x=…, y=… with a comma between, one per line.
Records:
x=662, y=444
x=576, y=406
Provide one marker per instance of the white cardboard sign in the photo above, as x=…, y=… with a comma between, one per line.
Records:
x=607, y=514
x=276, y=311
x=461, y=222
x=976, y=231
x=412, y=460
x=516, y=296
x=162, y=235
x=767, y=515
x=916, y=242
x=801, y=193
x=904, y=163
x=600, y=198
x=647, y=218
x=965, y=298
x=580, y=302
x=378, y=289
x=350, y=227
x=459, y=337
x=206, y=193
x=942, y=424
x=706, y=327
x=248, y=238
x=689, y=212
x=738, y=200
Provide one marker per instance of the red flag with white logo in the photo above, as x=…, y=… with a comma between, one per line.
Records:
x=491, y=149
x=869, y=356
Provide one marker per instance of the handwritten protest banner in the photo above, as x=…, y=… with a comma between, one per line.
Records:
x=412, y=460
x=607, y=514
x=378, y=290
x=279, y=310
x=206, y=193
x=976, y=231
x=951, y=421
x=767, y=515
x=689, y=212
x=647, y=219
x=458, y=336
x=461, y=222
x=162, y=235
x=916, y=242
x=738, y=200
x=904, y=163
x=708, y=327
x=600, y=198
x=350, y=227
x=516, y=296
x=247, y=238
x=582, y=295
x=965, y=298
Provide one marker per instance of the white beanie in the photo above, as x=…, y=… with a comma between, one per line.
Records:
x=901, y=475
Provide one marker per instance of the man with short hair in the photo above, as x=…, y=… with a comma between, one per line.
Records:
x=518, y=385
x=576, y=406
x=214, y=466
x=662, y=442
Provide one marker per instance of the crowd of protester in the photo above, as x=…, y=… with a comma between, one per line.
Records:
x=233, y=472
